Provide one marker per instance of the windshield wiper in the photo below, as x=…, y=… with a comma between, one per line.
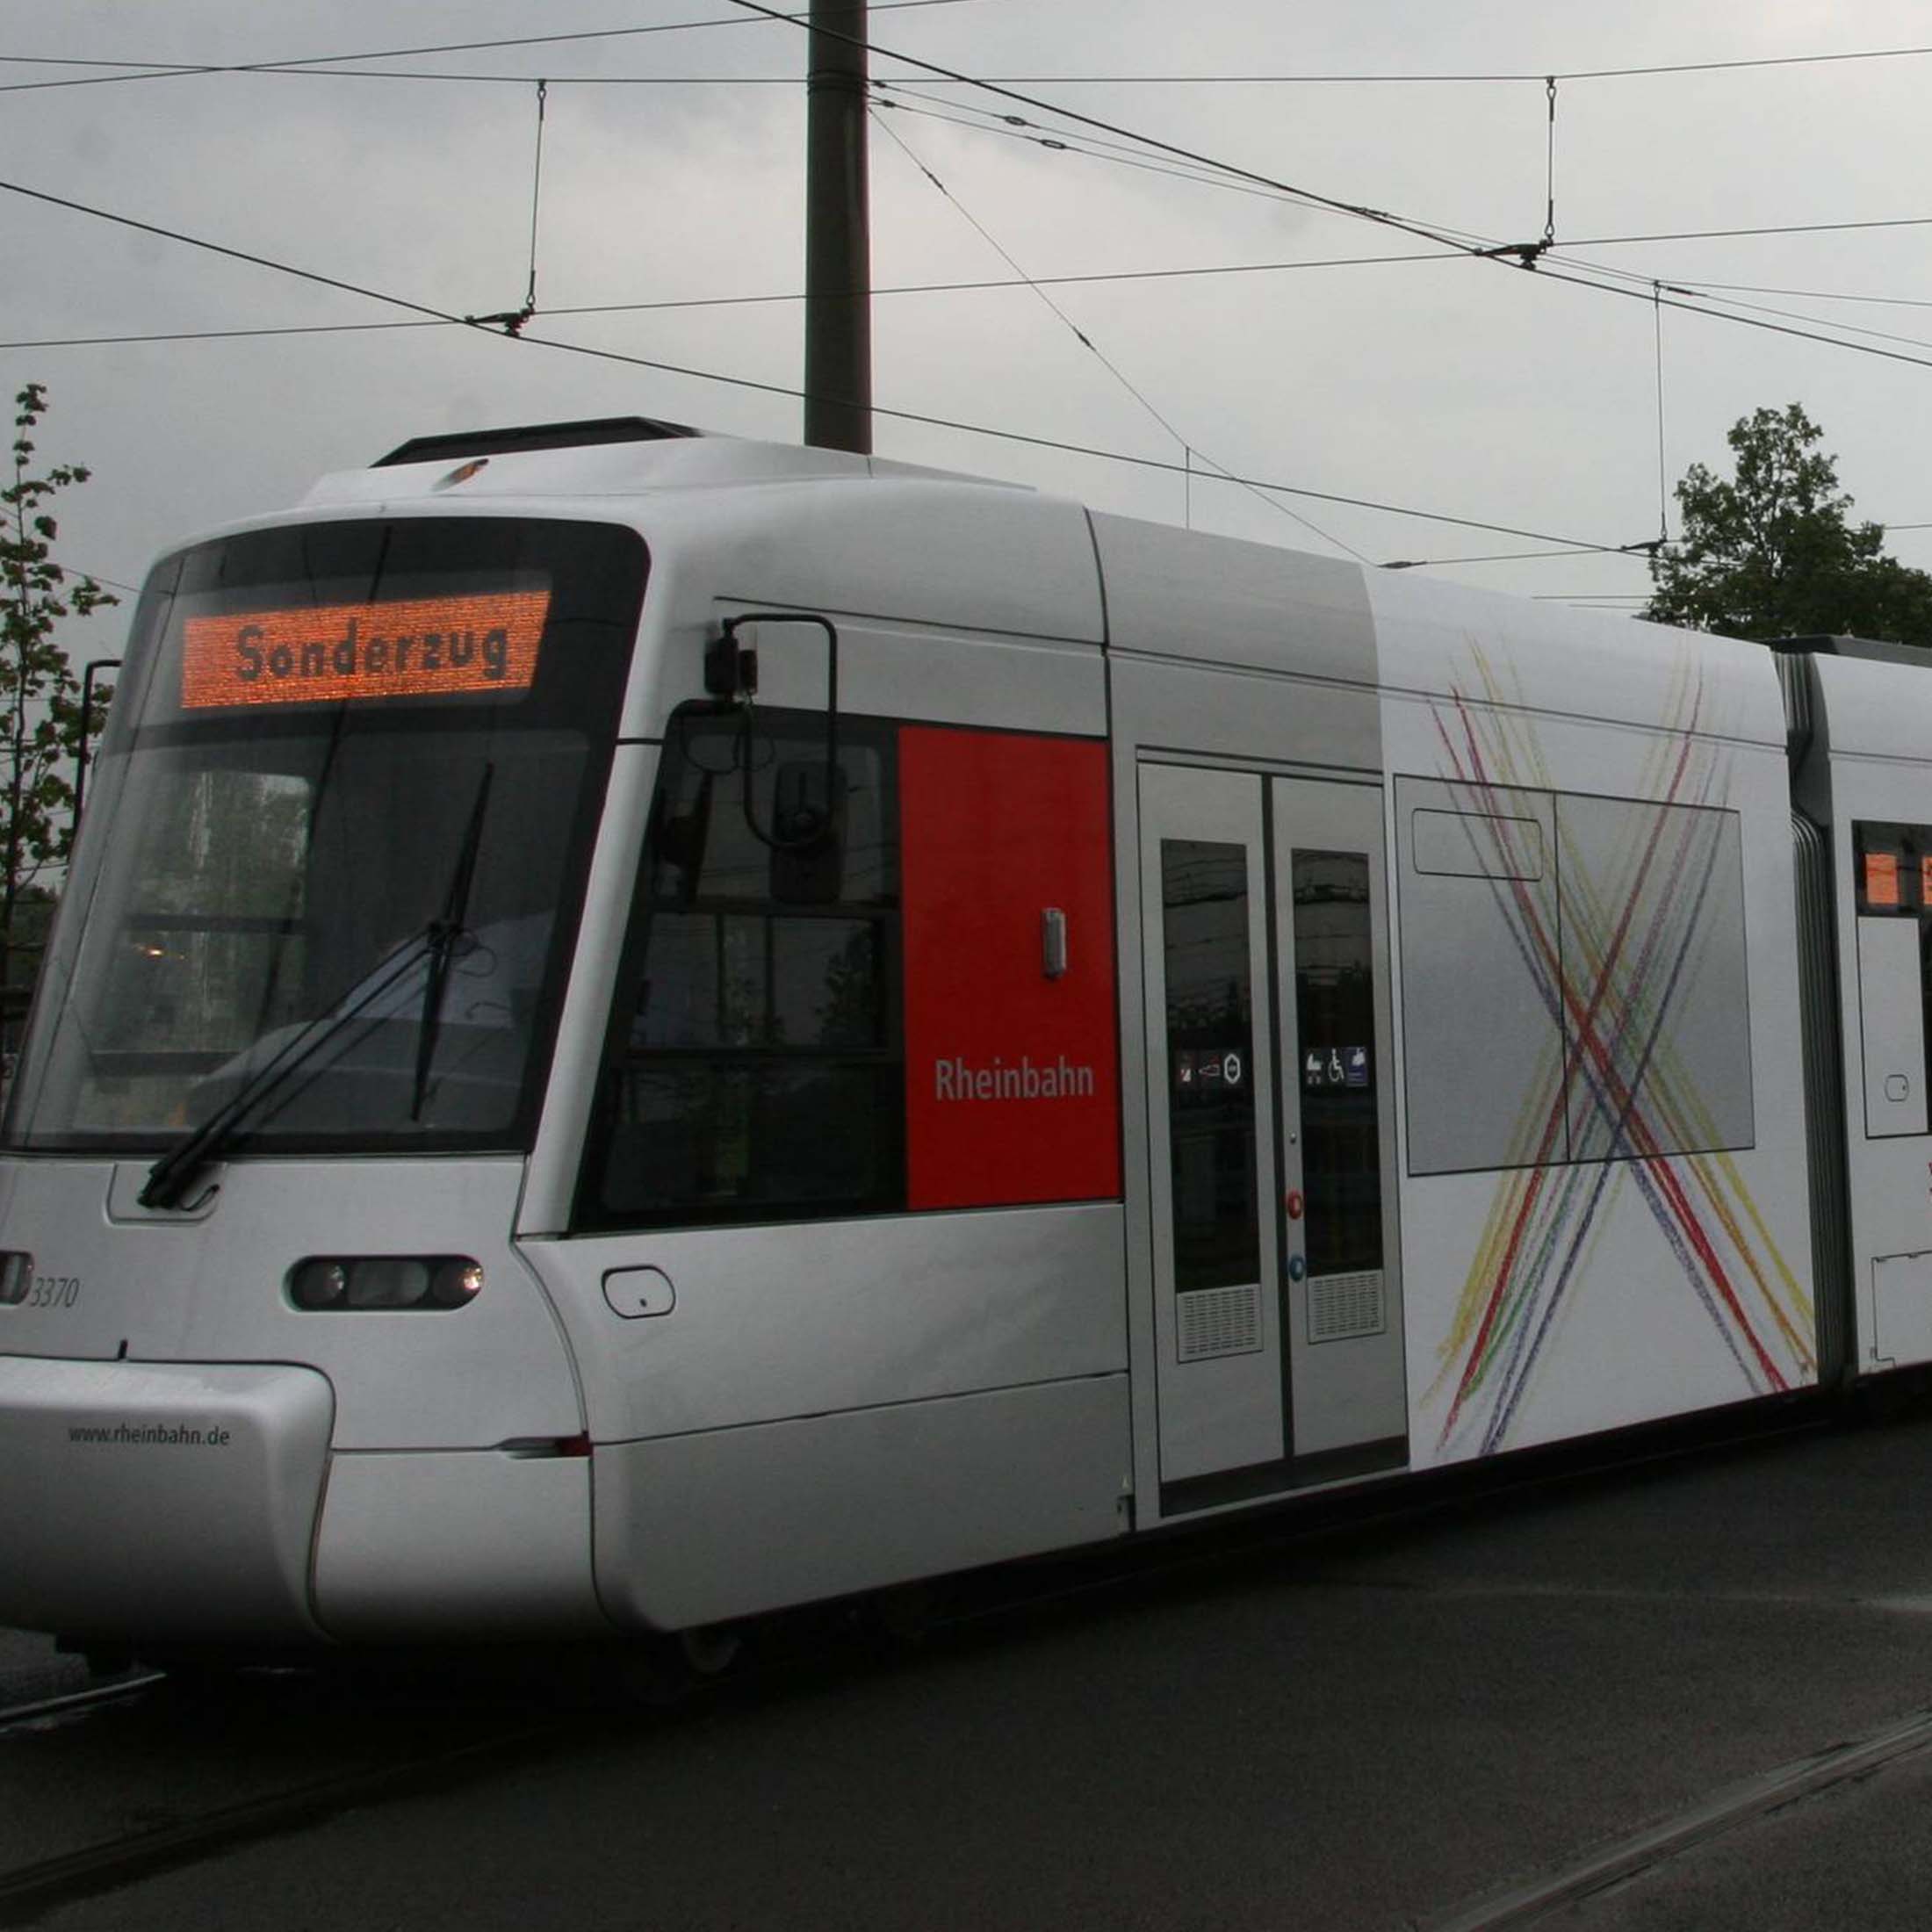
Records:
x=168, y=1179
x=443, y=933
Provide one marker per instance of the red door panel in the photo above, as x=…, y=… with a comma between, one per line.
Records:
x=1013, y=1084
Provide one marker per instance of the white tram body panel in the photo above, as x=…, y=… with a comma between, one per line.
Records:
x=1870, y=765
x=1250, y=1025
x=1636, y=1246
x=123, y=1478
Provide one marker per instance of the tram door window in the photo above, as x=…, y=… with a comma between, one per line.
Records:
x=1335, y=1015
x=1347, y=1383
x=1217, y=1275
x=1210, y=1045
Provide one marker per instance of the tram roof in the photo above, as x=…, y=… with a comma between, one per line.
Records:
x=544, y=460
x=1150, y=567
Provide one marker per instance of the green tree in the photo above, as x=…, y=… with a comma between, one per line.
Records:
x=1773, y=552
x=39, y=694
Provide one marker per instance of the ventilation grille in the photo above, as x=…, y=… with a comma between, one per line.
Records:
x=1218, y=1321
x=1342, y=1306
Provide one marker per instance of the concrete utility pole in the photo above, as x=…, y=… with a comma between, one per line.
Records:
x=838, y=233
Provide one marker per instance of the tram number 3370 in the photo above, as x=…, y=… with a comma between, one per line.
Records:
x=54, y=1291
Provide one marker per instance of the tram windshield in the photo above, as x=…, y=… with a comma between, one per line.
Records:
x=338, y=832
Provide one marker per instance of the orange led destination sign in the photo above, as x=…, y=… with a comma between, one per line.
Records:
x=421, y=647
x=1881, y=878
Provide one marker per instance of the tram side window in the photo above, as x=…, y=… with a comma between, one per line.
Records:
x=1483, y=1052
x=1893, y=878
x=1573, y=978
x=755, y=1069
x=1656, y=1016
x=1893, y=881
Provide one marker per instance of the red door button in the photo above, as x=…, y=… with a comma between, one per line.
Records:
x=1294, y=1204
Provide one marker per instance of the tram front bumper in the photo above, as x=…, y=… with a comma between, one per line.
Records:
x=148, y=1501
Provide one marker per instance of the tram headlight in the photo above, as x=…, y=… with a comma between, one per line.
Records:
x=330, y=1284
x=319, y=1285
x=456, y=1283
x=16, y=1278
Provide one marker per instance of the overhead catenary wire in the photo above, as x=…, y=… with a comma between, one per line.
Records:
x=323, y=66
x=1497, y=78
x=1451, y=242
x=1017, y=437
x=1301, y=196
x=1448, y=241
x=1734, y=234
x=1793, y=315
x=1210, y=171
x=675, y=303
x=1505, y=557
x=445, y=317
x=163, y=70
x=1577, y=275
x=1604, y=281
x=1304, y=197
x=1454, y=243
x=95, y=577
x=1807, y=294
x=1189, y=449
x=1015, y=127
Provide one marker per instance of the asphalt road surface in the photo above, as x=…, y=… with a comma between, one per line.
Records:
x=1474, y=1717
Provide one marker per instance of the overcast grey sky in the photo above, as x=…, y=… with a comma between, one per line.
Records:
x=673, y=174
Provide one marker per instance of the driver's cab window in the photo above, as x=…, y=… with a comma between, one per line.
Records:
x=756, y=1064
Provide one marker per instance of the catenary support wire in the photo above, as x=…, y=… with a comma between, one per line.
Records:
x=536, y=194
x=1188, y=451
x=1549, y=171
x=327, y=66
x=319, y=65
x=511, y=320
x=1663, y=488
x=926, y=418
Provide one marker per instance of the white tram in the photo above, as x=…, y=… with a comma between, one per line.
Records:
x=647, y=1029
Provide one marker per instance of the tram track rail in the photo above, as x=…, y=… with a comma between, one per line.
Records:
x=507, y=1720
x=65, y=1704
x=1645, y=1851
x=30, y=1890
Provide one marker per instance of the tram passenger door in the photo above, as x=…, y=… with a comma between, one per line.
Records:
x=1277, y=1315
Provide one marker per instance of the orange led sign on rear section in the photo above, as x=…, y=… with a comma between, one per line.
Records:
x=419, y=647
x=1881, y=878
